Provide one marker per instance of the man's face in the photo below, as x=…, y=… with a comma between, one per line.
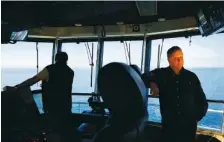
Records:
x=176, y=60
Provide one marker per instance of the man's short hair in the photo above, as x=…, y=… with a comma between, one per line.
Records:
x=172, y=50
x=61, y=57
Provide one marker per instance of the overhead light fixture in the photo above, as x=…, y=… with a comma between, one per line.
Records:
x=78, y=25
x=161, y=19
x=120, y=23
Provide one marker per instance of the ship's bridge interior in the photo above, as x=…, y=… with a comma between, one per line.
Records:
x=91, y=28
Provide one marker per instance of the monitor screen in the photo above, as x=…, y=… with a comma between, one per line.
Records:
x=19, y=36
x=210, y=20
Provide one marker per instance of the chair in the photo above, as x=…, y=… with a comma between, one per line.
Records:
x=124, y=93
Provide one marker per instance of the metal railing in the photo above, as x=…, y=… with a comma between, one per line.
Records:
x=79, y=108
x=222, y=123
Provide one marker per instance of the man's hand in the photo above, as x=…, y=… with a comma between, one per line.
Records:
x=153, y=89
x=8, y=88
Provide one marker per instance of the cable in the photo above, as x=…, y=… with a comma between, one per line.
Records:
x=37, y=58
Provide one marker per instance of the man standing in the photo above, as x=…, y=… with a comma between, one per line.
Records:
x=182, y=99
x=57, y=82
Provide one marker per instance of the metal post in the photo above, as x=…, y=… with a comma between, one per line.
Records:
x=59, y=46
x=54, y=52
x=147, y=58
x=56, y=48
x=99, y=61
x=148, y=50
x=143, y=54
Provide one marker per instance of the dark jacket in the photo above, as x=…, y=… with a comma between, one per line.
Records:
x=181, y=96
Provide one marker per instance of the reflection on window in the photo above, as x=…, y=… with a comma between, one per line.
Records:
x=115, y=52
x=203, y=56
x=79, y=61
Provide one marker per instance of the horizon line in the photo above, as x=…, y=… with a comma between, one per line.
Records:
x=24, y=67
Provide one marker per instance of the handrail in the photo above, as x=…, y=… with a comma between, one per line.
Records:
x=36, y=91
x=83, y=94
x=208, y=100
x=149, y=96
x=215, y=101
x=75, y=94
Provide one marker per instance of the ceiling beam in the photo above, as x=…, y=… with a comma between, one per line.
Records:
x=115, y=30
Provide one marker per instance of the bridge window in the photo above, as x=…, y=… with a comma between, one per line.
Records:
x=79, y=59
x=203, y=56
x=19, y=62
x=114, y=51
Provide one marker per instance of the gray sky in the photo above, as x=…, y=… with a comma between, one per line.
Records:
x=203, y=52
